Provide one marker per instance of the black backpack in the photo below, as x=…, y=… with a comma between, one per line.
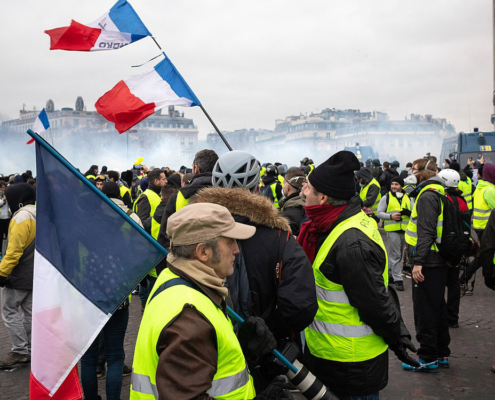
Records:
x=456, y=234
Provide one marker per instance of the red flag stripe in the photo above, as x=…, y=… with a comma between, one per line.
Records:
x=76, y=37
x=123, y=108
x=69, y=390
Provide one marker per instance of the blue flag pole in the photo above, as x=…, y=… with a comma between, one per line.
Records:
x=145, y=234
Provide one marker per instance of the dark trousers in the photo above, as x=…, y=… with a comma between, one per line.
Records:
x=453, y=295
x=475, y=264
x=114, y=333
x=4, y=231
x=430, y=314
x=144, y=291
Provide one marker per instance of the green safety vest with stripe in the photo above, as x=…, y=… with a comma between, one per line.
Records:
x=364, y=192
x=231, y=380
x=123, y=190
x=412, y=228
x=273, y=187
x=337, y=333
x=481, y=210
x=181, y=201
x=155, y=201
x=153, y=198
x=466, y=188
x=391, y=225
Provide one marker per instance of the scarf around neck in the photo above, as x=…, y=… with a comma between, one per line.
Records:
x=199, y=272
x=321, y=220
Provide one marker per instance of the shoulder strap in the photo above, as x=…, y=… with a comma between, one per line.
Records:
x=174, y=282
x=278, y=271
x=129, y=212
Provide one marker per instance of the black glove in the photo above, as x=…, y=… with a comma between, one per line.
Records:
x=489, y=282
x=2, y=281
x=255, y=338
x=399, y=348
x=406, y=212
x=275, y=391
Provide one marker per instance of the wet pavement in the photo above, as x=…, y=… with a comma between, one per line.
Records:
x=469, y=377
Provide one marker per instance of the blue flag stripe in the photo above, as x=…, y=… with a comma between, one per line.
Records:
x=44, y=119
x=169, y=74
x=126, y=19
x=102, y=253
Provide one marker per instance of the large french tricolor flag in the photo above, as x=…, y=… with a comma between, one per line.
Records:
x=113, y=30
x=139, y=96
x=41, y=124
x=89, y=256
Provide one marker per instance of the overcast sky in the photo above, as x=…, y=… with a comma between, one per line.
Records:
x=252, y=62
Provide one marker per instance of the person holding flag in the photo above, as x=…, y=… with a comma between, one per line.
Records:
x=185, y=326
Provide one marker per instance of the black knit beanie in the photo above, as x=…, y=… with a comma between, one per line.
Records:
x=335, y=177
x=399, y=180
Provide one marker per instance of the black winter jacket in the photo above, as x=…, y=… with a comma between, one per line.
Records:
x=357, y=263
x=428, y=209
x=292, y=208
x=295, y=293
x=386, y=179
x=198, y=182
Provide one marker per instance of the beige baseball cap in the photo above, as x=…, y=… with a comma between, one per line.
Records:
x=198, y=222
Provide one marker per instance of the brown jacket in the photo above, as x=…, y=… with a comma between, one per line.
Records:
x=188, y=351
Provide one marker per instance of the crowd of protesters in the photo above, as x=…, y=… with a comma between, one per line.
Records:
x=297, y=252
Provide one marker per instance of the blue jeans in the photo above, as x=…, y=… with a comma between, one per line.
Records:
x=144, y=291
x=374, y=396
x=113, y=332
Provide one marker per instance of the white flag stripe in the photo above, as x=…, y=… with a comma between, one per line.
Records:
x=65, y=324
x=151, y=88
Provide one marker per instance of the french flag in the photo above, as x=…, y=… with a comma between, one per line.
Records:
x=113, y=30
x=139, y=96
x=41, y=124
x=89, y=256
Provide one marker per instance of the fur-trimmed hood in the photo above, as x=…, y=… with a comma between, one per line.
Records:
x=257, y=208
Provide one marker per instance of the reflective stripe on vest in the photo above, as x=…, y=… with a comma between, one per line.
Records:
x=466, y=187
x=337, y=333
x=90, y=177
x=181, y=201
x=142, y=384
x=481, y=210
x=393, y=207
x=412, y=228
x=231, y=381
x=153, y=199
x=364, y=193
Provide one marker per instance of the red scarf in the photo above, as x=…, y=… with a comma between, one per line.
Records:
x=322, y=219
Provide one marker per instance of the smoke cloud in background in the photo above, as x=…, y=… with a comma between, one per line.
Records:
x=251, y=62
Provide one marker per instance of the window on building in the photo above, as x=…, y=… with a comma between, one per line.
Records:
x=328, y=135
x=182, y=140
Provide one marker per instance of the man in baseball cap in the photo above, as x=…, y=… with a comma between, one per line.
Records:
x=186, y=346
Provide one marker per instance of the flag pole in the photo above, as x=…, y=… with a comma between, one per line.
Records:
x=201, y=106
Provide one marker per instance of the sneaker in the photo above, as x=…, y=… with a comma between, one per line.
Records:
x=443, y=362
x=135, y=291
x=126, y=370
x=407, y=274
x=13, y=359
x=468, y=292
x=424, y=367
x=399, y=285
